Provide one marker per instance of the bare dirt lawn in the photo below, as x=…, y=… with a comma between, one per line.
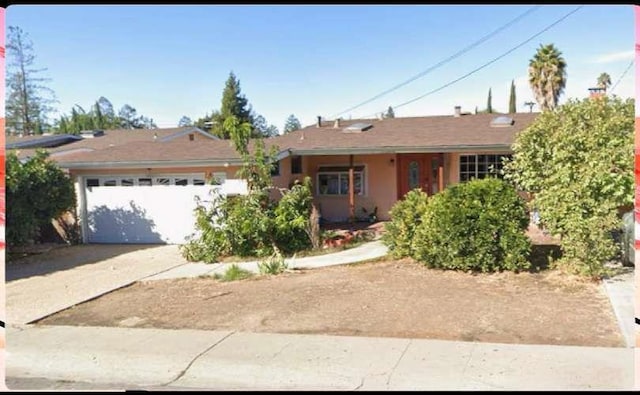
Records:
x=385, y=298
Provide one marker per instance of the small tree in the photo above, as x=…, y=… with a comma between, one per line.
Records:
x=578, y=163
x=37, y=192
x=489, y=108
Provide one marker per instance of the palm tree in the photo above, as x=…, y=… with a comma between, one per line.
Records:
x=547, y=76
x=604, y=81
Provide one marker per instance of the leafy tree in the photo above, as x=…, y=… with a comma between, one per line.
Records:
x=185, y=121
x=234, y=103
x=38, y=192
x=28, y=100
x=512, y=98
x=489, y=108
x=547, y=76
x=291, y=124
x=604, y=81
x=390, y=113
x=128, y=117
x=577, y=162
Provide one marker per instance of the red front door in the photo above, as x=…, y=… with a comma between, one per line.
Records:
x=419, y=171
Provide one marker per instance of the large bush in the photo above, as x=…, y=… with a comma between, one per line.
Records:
x=37, y=192
x=251, y=225
x=478, y=225
x=406, y=216
x=578, y=162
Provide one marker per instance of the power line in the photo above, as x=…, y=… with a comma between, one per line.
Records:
x=622, y=76
x=450, y=58
x=488, y=63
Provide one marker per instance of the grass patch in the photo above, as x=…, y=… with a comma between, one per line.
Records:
x=233, y=273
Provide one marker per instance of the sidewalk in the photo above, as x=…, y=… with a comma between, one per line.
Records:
x=224, y=360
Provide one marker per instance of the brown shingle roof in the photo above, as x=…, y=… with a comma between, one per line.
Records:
x=406, y=133
x=172, y=151
x=111, y=138
x=418, y=134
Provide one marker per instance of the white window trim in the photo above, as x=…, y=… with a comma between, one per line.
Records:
x=119, y=177
x=365, y=186
x=475, y=177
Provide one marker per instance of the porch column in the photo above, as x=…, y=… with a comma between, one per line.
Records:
x=441, y=173
x=352, y=204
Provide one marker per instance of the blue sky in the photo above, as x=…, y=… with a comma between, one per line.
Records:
x=170, y=61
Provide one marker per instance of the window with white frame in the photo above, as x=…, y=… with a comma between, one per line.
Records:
x=132, y=180
x=334, y=180
x=481, y=166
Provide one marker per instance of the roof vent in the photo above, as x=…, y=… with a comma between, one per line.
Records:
x=502, y=121
x=357, y=127
x=87, y=134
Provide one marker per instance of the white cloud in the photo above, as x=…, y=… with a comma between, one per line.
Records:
x=615, y=57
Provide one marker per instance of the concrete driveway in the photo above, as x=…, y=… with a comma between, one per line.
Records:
x=43, y=284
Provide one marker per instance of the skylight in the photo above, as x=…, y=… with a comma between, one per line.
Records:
x=358, y=127
x=502, y=121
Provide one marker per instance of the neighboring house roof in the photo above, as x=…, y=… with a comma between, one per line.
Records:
x=179, y=152
x=111, y=138
x=40, y=141
x=411, y=134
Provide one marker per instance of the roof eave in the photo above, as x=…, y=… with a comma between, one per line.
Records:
x=150, y=164
x=400, y=150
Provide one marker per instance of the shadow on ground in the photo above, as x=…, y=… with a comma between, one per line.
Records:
x=542, y=255
x=66, y=257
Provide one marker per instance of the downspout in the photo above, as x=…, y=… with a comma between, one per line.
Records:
x=352, y=205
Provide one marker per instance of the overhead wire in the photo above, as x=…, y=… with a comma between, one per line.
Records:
x=442, y=62
x=485, y=64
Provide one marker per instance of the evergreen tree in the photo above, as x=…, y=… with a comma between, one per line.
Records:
x=390, y=113
x=233, y=103
x=27, y=100
x=512, y=98
x=489, y=108
x=291, y=124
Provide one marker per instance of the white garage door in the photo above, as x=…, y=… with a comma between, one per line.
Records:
x=158, y=209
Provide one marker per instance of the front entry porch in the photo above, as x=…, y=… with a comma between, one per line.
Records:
x=425, y=171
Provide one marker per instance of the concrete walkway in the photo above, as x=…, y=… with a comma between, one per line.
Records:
x=364, y=252
x=622, y=294
x=223, y=360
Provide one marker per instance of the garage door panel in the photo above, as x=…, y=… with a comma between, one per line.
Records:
x=144, y=214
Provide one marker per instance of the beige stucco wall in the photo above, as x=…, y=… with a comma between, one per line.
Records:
x=379, y=182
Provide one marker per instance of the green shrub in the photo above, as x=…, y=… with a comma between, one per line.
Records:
x=406, y=216
x=233, y=273
x=37, y=192
x=294, y=230
x=478, y=225
x=275, y=264
x=252, y=225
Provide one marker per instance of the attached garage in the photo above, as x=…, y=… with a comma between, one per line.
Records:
x=141, y=209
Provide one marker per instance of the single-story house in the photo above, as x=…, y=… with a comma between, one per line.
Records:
x=385, y=158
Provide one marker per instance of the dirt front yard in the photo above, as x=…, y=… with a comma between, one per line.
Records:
x=386, y=298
